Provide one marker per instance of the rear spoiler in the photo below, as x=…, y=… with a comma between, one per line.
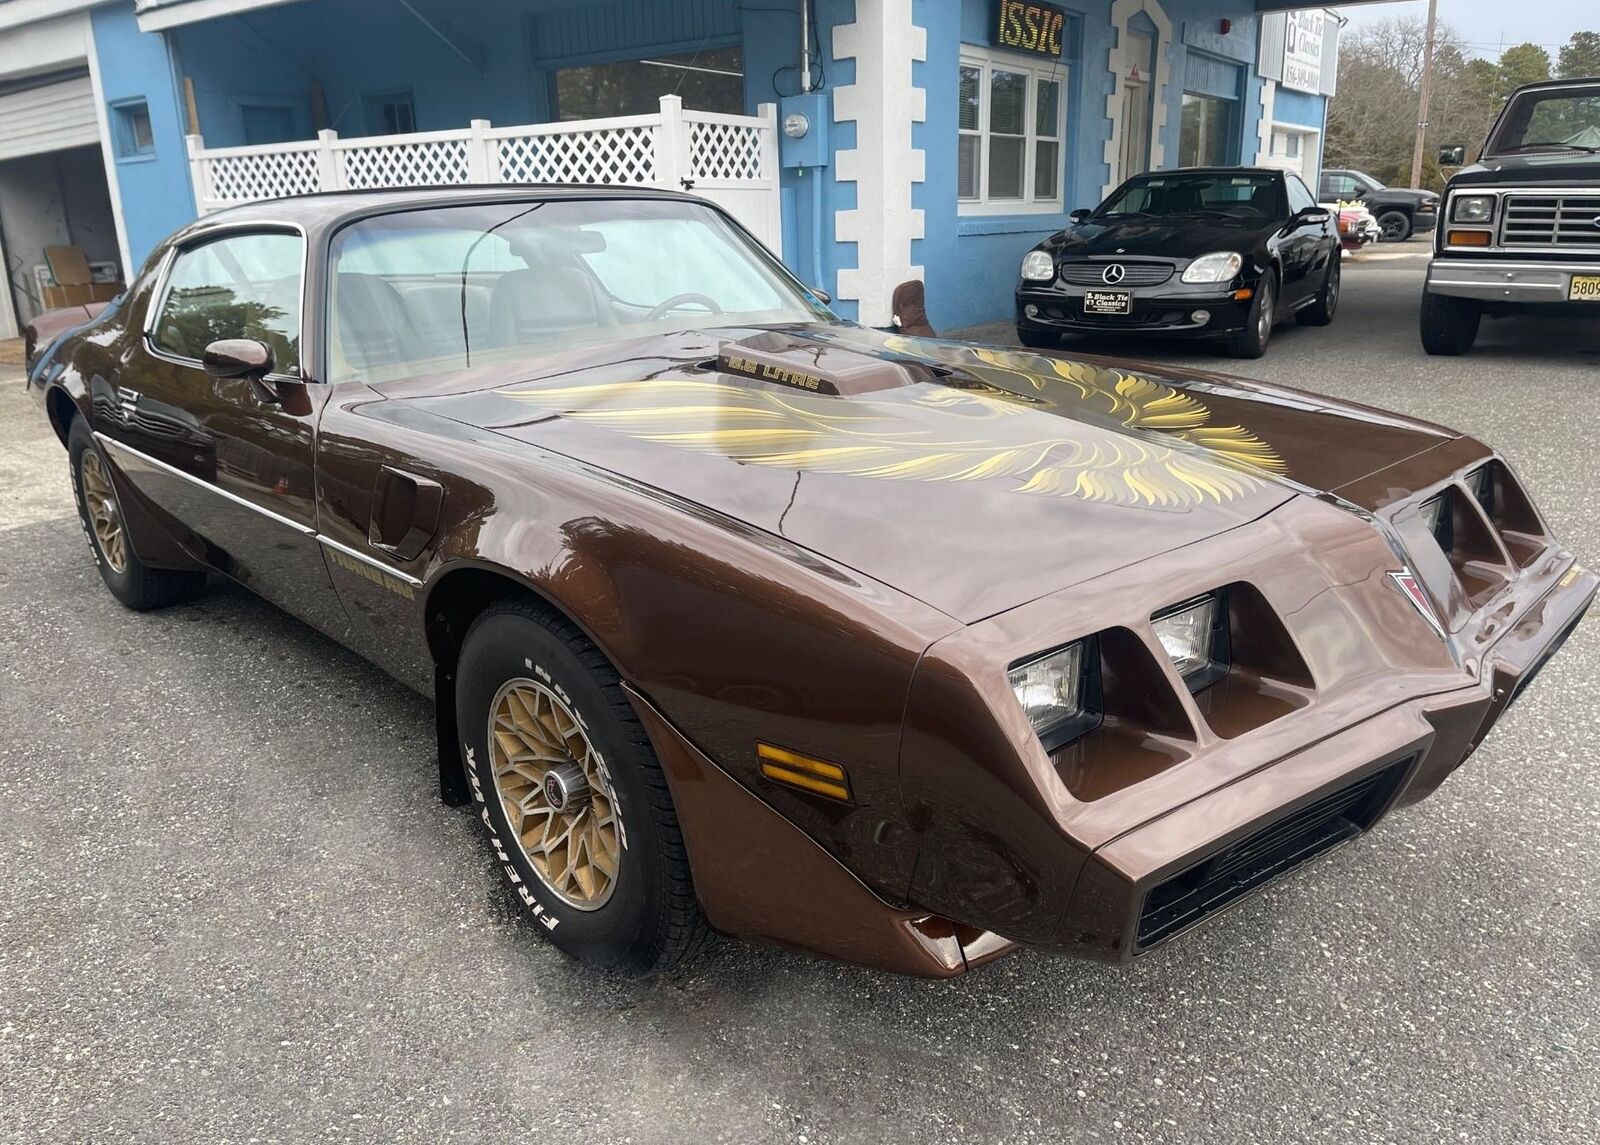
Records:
x=46, y=329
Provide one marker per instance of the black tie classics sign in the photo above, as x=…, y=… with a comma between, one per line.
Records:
x=1027, y=26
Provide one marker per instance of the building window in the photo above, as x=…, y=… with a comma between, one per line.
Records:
x=1008, y=147
x=391, y=113
x=130, y=129
x=1206, y=136
x=711, y=79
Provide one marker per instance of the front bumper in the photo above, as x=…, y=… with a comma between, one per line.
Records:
x=1508, y=282
x=1168, y=309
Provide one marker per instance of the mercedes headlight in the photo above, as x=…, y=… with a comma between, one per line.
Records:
x=1472, y=208
x=1190, y=634
x=1038, y=266
x=1218, y=266
x=1050, y=689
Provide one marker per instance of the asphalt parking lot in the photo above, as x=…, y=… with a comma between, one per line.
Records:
x=233, y=910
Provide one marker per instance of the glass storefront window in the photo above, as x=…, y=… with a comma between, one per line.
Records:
x=1206, y=135
x=708, y=80
x=1009, y=132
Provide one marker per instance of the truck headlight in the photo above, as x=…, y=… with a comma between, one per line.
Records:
x=1472, y=208
x=1038, y=266
x=1218, y=266
x=1190, y=633
x=1050, y=689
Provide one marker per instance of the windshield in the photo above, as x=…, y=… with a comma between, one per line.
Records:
x=1244, y=197
x=454, y=287
x=1558, y=119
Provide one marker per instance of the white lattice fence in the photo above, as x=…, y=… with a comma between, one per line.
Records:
x=730, y=159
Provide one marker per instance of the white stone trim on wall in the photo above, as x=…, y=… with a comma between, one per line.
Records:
x=883, y=103
x=108, y=150
x=1122, y=12
x=1269, y=96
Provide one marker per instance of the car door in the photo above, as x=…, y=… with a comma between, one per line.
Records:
x=1303, y=239
x=229, y=461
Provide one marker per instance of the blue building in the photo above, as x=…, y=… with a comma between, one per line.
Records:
x=868, y=141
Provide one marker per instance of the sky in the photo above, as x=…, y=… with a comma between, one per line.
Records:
x=1488, y=24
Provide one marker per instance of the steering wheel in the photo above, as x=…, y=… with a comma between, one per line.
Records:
x=677, y=300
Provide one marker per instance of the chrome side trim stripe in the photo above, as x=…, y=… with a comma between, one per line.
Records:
x=304, y=530
x=174, y=471
x=386, y=569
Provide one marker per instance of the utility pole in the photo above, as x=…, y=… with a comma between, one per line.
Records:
x=1424, y=93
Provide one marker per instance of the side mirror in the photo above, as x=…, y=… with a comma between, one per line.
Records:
x=1455, y=156
x=1081, y=215
x=243, y=358
x=1313, y=215
x=822, y=295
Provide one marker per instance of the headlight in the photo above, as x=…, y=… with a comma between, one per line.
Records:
x=1038, y=266
x=1050, y=689
x=1218, y=266
x=1191, y=634
x=1472, y=208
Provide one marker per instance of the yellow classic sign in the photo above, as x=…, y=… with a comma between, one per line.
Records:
x=1028, y=26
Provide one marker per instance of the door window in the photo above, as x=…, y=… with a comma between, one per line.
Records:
x=242, y=286
x=711, y=79
x=1206, y=133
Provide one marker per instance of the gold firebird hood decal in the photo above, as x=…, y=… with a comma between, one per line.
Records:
x=1125, y=439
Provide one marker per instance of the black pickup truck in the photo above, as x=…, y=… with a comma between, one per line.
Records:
x=1520, y=229
x=1400, y=212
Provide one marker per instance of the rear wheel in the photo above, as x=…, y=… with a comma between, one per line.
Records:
x=573, y=797
x=1252, y=342
x=1449, y=325
x=1320, y=312
x=1395, y=225
x=130, y=580
x=1038, y=339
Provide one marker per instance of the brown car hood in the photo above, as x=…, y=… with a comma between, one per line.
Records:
x=973, y=479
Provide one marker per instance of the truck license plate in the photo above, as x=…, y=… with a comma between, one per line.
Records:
x=1584, y=288
x=1113, y=302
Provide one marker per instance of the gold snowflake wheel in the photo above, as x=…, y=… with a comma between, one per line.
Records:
x=105, y=517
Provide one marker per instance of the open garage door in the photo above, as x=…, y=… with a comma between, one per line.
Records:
x=51, y=115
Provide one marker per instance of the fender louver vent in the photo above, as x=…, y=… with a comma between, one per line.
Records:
x=817, y=367
x=1252, y=862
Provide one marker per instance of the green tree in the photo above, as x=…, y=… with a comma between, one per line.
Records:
x=1580, y=57
x=1520, y=64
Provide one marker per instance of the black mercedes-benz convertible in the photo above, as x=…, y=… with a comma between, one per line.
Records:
x=1204, y=252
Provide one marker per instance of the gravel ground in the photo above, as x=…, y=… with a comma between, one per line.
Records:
x=233, y=909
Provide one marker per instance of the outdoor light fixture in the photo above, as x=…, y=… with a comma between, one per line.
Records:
x=796, y=124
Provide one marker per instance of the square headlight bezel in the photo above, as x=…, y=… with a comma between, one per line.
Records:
x=1091, y=709
x=1220, y=650
x=1458, y=215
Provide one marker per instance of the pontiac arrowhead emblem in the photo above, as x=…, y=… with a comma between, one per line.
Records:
x=1408, y=584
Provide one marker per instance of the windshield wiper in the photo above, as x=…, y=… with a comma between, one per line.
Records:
x=1562, y=146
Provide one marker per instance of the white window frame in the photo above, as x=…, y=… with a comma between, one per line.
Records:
x=1036, y=69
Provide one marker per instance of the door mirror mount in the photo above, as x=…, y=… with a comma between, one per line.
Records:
x=243, y=358
x=822, y=295
x=1453, y=156
x=1081, y=215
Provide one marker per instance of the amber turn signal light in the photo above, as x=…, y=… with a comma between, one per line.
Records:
x=1243, y=293
x=795, y=770
x=1469, y=238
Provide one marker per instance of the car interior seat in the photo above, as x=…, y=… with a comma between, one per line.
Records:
x=530, y=305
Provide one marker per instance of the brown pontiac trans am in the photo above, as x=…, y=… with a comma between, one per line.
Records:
x=740, y=616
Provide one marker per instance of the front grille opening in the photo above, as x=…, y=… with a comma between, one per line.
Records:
x=1266, y=678
x=1254, y=861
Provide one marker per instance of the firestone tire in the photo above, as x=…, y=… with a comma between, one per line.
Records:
x=537, y=704
x=1396, y=226
x=1038, y=339
x=1449, y=325
x=137, y=585
x=1320, y=312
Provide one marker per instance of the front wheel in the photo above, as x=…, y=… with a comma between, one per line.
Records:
x=1449, y=325
x=1320, y=312
x=1252, y=342
x=139, y=586
x=571, y=793
x=1395, y=225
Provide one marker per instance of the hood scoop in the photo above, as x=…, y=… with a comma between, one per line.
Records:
x=817, y=368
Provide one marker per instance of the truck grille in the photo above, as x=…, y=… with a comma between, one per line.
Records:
x=1252, y=862
x=1551, y=221
x=1134, y=273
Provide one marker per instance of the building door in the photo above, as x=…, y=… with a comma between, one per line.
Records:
x=1137, y=81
